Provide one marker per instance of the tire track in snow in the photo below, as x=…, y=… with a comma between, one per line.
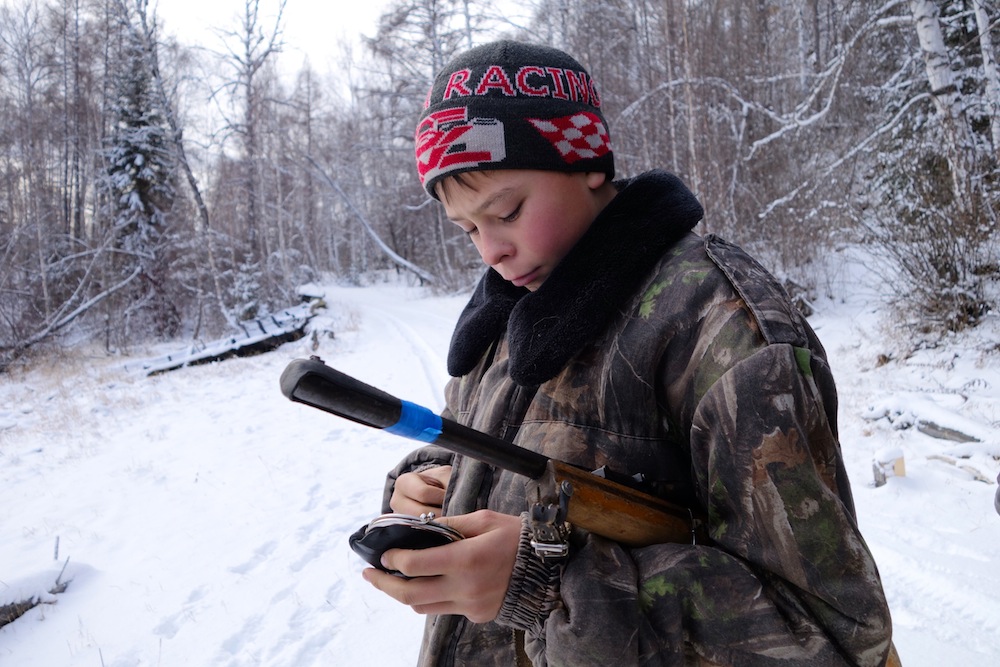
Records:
x=915, y=562
x=430, y=361
x=972, y=611
x=417, y=329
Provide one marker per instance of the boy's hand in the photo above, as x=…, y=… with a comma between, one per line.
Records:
x=417, y=493
x=468, y=577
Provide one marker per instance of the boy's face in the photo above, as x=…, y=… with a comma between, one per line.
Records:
x=524, y=222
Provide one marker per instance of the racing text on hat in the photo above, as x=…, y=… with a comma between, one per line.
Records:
x=529, y=81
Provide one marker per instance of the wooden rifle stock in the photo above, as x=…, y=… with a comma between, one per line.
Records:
x=599, y=505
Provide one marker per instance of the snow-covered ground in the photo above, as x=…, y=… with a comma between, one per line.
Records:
x=204, y=517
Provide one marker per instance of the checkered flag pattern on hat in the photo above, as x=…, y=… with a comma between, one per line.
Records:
x=512, y=105
x=581, y=136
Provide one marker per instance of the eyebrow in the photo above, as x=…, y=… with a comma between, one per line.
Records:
x=497, y=196
x=492, y=200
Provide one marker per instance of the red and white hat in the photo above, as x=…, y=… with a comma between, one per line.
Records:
x=511, y=105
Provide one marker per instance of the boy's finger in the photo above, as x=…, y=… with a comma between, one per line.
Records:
x=419, y=591
x=430, y=562
x=417, y=487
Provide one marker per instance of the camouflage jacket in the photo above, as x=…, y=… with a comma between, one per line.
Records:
x=657, y=351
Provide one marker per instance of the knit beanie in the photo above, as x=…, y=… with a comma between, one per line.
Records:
x=511, y=105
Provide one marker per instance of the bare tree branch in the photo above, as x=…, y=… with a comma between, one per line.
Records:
x=389, y=252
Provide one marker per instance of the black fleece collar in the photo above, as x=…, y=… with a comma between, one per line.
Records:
x=547, y=327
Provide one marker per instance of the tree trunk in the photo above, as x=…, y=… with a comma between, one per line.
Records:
x=692, y=132
x=990, y=72
x=944, y=88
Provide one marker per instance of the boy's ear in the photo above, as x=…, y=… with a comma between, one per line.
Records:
x=595, y=179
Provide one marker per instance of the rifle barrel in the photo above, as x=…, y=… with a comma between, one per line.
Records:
x=312, y=382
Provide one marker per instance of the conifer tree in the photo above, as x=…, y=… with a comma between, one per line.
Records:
x=137, y=187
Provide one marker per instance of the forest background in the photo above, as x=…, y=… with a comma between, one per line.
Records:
x=154, y=190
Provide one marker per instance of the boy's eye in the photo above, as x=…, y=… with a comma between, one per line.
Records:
x=512, y=216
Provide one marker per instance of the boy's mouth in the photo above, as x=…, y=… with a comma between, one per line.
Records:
x=526, y=279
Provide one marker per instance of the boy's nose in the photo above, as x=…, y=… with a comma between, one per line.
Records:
x=493, y=248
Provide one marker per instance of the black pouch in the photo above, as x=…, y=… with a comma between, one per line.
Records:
x=399, y=531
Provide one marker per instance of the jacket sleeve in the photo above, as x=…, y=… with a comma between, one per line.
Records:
x=786, y=579
x=418, y=460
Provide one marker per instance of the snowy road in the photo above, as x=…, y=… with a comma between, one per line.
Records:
x=205, y=517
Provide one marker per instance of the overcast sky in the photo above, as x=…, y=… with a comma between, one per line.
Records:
x=311, y=27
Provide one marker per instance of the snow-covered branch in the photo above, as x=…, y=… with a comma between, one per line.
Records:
x=854, y=151
x=827, y=83
x=389, y=252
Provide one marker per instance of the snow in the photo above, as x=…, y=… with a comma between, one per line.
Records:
x=205, y=517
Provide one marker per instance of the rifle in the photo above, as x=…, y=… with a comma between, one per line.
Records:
x=595, y=503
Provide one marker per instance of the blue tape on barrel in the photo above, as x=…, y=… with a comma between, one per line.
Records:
x=417, y=423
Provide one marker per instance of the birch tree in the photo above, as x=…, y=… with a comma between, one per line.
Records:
x=75, y=166
x=931, y=196
x=944, y=88
x=991, y=71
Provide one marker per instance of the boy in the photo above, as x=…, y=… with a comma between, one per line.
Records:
x=606, y=332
